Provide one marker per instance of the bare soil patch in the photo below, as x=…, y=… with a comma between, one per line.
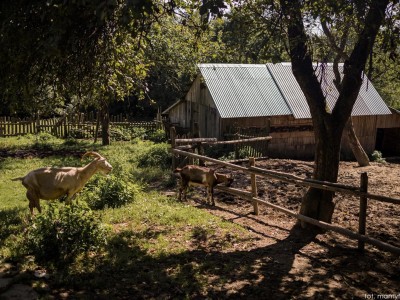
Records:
x=327, y=266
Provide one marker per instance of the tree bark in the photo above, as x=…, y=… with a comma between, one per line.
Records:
x=316, y=203
x=354, y=143
x=328, y=126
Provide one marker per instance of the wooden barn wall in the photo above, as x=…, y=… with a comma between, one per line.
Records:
x=389, y=127
x=202, y=109
x=365, y=128
x=198, y=107
x=291, y=137
x=178, y=114
x=389, y=121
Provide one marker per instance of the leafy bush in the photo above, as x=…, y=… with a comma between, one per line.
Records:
x=76, y=133
x=377, y=157
x=44, y=141
x=119, y=134
x=156, y=155
x=157, y=136
x=112, y=191
x=137, y=132
x=62, y=232
x=155, y=176
x=70, y=141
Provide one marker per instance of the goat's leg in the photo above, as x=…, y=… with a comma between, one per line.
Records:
x=34, y=201
x=212, y=195
x=183, y=189
x=70, y=197
x=180, y=191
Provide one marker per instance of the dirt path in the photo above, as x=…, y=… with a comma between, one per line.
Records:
x=326, y=266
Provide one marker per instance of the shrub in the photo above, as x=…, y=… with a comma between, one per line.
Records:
x=137, y=132
x=157, y=136
x=76, y=133
x=154, y=176
x=119, y=134
x=377, y=157
x=62, y=232
x=44, y=141
x=112, y=191
x=156, y=156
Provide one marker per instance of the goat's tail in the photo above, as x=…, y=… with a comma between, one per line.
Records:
x=17, y=178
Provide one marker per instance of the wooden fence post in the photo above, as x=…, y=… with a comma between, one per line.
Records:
x=254, y=186
x=236, y=146
x=362, y=222
x=173, y=145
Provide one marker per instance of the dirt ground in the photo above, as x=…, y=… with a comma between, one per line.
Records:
x=325, y=266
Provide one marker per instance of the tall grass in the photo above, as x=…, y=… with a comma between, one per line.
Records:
x=152, y=239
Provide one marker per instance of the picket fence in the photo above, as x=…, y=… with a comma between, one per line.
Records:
x=77, y=126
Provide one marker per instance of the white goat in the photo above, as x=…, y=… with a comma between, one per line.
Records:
x=52, y=183
x=201, y=176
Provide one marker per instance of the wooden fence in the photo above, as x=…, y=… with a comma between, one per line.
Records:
x=361, y=192
x=255, y=146
x=75, y=126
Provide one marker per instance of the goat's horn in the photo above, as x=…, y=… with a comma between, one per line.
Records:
x=92, y=153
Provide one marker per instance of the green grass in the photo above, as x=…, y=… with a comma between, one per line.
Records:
x=157, y=246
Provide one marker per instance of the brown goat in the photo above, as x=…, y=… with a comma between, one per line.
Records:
x=201, y=176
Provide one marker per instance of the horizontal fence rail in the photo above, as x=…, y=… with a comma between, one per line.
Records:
x=334, y=187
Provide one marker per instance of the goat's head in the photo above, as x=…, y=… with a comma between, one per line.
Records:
x=102, y=164
x=223, y=178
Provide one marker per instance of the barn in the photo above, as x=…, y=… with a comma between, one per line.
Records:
x=227, y=98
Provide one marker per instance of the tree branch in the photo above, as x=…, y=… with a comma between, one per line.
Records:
x=355, y=65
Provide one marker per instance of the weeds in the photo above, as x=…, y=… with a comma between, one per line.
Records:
x=140, y=244
x=377, y=157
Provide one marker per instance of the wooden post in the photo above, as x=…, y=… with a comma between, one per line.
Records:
x=199, y=146
x=254, y=186
x=363, y=209
x=172, y=133
x=236, y=146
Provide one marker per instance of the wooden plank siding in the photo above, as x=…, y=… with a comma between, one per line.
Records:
x=290, y=137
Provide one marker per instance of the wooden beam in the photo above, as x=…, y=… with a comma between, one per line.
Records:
x=343, y=231
x=237, y=192
x=195, y=140
x=241, y=141
x=205, y=158
x=323, y=185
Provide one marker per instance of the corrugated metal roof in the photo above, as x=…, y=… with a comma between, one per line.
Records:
x=368, y=101
x=243, y=90
x=285, y=80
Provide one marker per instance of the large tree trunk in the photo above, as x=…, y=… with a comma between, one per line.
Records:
x=356, y=148
x=318, y=204
x=328, y=127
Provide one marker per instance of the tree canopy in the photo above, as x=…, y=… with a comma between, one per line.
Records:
x=80, y=52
